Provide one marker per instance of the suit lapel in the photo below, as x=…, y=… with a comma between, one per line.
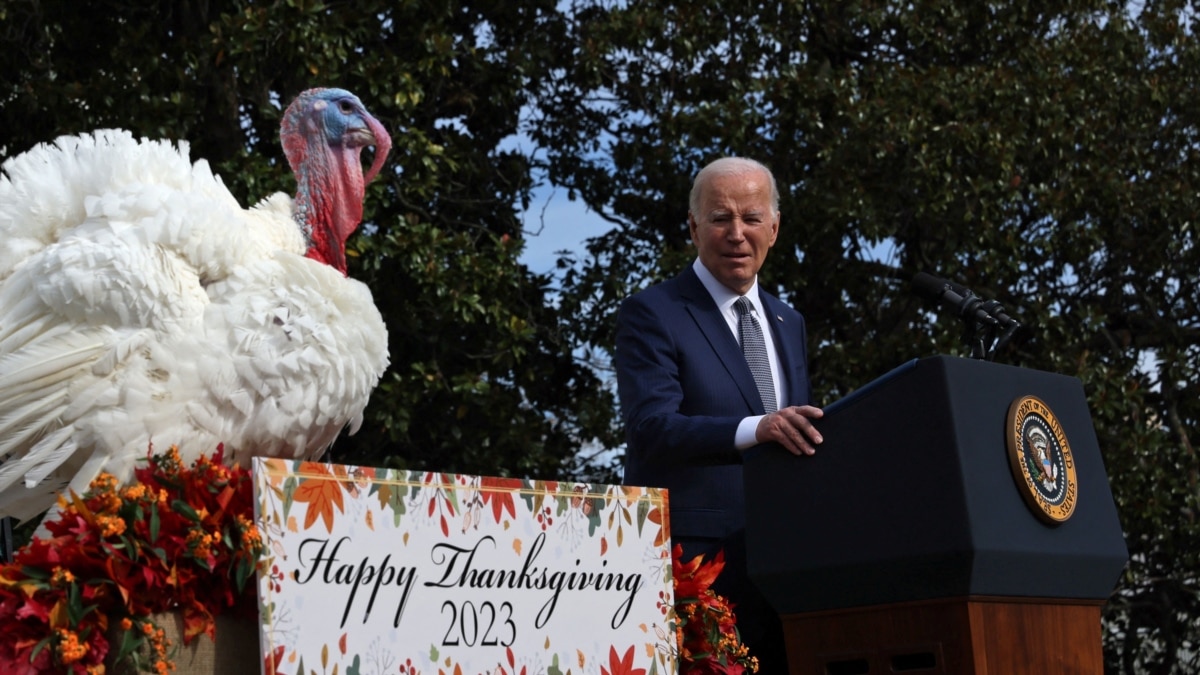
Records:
x=716, y=331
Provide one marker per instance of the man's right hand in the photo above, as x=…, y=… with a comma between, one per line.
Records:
x=792, y=428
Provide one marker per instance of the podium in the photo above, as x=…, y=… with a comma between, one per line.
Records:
x=914, y=540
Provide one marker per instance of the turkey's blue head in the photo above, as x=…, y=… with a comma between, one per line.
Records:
x=323, y=134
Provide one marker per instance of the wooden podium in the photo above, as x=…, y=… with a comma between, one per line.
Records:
x=957, y=519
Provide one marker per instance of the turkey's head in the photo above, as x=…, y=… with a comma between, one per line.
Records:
x=323, y=134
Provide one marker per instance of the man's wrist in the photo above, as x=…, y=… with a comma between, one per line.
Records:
x=747, y=433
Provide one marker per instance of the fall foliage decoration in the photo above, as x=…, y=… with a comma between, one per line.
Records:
x=183, y=539
x=178, y=539
x=705, y=625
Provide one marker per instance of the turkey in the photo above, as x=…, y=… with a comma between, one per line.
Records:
x=142, y=307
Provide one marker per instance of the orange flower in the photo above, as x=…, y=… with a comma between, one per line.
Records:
x=105, y=482
x=249, y=530
x=133, y=493
x=61, y=577
x=110, y=526
x=69, y=648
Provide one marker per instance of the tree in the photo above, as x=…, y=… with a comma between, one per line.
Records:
x=482, y=379
x=1041, y=153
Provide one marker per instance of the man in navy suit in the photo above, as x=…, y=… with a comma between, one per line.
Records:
x=690, y=402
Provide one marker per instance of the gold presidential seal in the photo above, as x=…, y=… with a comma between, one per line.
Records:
x=1041, y=460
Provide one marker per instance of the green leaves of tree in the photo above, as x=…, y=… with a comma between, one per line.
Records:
x=1042, y=154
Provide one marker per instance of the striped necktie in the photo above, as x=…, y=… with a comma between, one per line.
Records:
x=754, y=348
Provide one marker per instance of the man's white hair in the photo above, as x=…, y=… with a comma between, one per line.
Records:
x=731, y=166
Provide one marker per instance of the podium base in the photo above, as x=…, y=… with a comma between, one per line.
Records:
x=956, y=636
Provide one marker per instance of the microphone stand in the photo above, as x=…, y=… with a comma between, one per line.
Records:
x=986, y=325
x=984, y=338
x=979, y=335
x=1010, y=327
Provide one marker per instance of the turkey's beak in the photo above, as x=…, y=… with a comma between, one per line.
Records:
x=359, y=138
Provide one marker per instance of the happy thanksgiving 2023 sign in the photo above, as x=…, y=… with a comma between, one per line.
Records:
x=381, y=570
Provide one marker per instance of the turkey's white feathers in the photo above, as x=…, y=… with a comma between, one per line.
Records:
x=140, y=304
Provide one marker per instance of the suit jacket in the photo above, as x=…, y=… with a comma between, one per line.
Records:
x=684, y=387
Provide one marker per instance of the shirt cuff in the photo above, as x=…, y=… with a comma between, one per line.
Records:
x=747, y=432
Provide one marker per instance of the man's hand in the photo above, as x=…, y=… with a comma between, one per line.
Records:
x=792, y=428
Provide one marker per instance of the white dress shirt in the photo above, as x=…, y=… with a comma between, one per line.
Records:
x=725, y=298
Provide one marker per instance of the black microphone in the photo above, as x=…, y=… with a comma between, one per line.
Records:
x=957, y=298
x=993, y=308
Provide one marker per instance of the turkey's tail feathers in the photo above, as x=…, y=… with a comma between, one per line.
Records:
x=34, y=394
x=42, y=191
x=40, y=490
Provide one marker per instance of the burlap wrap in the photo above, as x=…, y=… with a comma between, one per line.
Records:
x=235, y=651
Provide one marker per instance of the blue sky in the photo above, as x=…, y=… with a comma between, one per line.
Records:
x=554, y=223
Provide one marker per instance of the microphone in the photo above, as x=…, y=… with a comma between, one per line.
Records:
x=993, y=308
x=956, y=298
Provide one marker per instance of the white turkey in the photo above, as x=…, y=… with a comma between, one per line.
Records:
x=141, y=306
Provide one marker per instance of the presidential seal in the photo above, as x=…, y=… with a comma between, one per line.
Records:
x=1041, y=460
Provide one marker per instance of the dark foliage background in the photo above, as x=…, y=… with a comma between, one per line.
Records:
x=1041, y=153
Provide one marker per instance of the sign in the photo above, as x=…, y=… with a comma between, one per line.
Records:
x=1041, y=460
x=380, y=570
